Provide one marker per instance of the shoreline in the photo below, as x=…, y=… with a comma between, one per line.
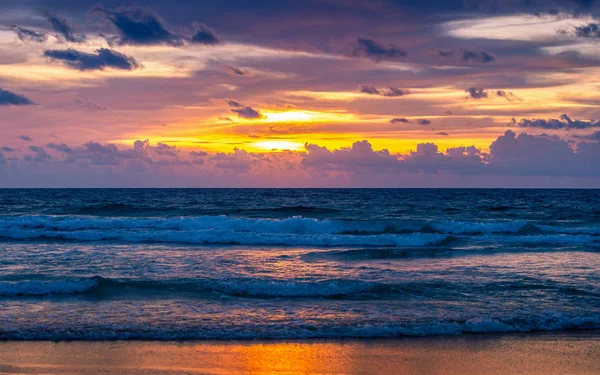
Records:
x=531, y=353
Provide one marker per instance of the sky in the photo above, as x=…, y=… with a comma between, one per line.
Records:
x=312, y=93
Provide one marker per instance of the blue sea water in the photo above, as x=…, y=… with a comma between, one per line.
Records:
x=296, y=263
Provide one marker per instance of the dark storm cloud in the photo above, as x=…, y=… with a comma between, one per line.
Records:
x=478, y=56
x=27, y=35
x=373, y=50
x=565, y=122
x=390, y=91
x=399, y=120
x=143, y=26
x=103, y=58
x=591, y=30
x=10, y=98
x=477, y=92
x=248, y=112
x=64, y=30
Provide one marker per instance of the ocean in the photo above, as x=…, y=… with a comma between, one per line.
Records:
x=178, y=264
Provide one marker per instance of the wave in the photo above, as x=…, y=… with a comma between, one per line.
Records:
x=306, y=330
x=291, y=231
x=42, y=288
x=337, y=288
x=136, y=210
x=269, y=288
x=224, y=237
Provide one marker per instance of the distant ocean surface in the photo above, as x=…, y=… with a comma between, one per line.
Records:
x=296, y=263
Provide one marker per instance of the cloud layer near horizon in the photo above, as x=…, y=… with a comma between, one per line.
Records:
x=513, y=160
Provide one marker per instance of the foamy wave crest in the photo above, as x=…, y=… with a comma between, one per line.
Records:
x=296, y=231
x=293, y=231
x=306, y=330
x=40, y=288
x=292, y=225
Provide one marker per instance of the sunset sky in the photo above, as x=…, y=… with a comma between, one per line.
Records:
x=312, y=93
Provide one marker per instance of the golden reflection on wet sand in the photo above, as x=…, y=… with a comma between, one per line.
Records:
x=530, y=354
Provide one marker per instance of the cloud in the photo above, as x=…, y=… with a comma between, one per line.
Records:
x=507, y=95
x=90, y=105
x=361, y=155
x=480, y=93
x=239, y=161
x=25, y=138
x=139, y=26
x=10, y=98
x=477, y=92
x=39, y=155
x=389, y=92
x=204, y=35
x=64, y=30
x=370, y=49
x=423, y=121
x=7, y=149
x=595, y=136
x=234, y=103
x=59, y=147
x=564, y=122
x=248, y=113
x=242, y=111
x=371, y=90
x=233, y=70
x=166, y=150
x=512, y=159
x=27, y=35
x=442, y=133
x=446, y=54
x=591, y=30
x=478, y=56
x=143, y=26
x=103, y=58
x=542, y=155
x=400, y=120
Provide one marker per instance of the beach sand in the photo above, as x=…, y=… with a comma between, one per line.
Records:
x=477, y=354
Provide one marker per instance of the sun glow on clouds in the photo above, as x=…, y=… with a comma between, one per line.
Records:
x=300, y=116
x=278, y=145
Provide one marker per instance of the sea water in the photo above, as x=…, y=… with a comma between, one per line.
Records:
x=164, y=264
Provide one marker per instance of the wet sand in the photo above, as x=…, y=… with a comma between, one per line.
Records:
x=570, y=353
